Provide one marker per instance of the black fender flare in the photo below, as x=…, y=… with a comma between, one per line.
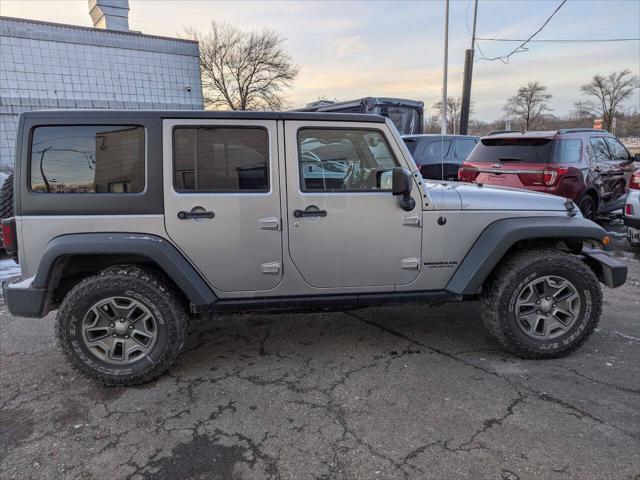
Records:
x=494, y=242
x=153, y=247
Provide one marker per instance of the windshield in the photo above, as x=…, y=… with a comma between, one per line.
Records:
x=406, y=119
x=434, y=151
x=503, y=150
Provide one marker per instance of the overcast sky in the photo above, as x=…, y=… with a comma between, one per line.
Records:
x=378, y=48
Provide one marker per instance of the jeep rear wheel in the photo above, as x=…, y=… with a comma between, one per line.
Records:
x=6, y=200
x=122, y=327
x=541, y=303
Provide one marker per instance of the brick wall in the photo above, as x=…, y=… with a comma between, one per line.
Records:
x=52, y=66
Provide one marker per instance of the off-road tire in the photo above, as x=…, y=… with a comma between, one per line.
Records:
x=500, y=293
x=145, y=287
x=6, y=198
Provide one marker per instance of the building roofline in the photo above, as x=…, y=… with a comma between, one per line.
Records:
x=94, y=29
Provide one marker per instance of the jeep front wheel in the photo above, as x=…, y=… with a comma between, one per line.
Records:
x=122, y=327
x=541, y=303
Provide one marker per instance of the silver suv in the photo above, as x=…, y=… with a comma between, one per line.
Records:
x=130, y=223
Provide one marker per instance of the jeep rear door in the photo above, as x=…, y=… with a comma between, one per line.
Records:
x=345, y=227
x=222, y=200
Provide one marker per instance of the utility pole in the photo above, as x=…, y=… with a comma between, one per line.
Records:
x=44, y=177
x=443, y=128
x=468, y=73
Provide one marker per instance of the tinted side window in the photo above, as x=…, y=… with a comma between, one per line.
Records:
x=343, y=160
x=220, y=159
x=88, y=159
x=567, y=150
x=618, y=152
x=598, y=150
x=462, y=148
x=434, y=151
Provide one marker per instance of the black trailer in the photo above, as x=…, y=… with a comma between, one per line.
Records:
x=407, y=115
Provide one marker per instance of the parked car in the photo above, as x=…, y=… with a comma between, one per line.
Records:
x=632, y=209
x=185, y=214
x=591, y=167
x=439, y=157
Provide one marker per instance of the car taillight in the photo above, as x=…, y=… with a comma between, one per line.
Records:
x=628, y=210
x=550, y=175
x=467, y=174
x=531, y=179
x=634, y=183
x=9, y=237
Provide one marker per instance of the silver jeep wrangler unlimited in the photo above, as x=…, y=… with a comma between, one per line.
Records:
x=131, y=222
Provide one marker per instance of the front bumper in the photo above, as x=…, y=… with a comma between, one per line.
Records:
x=609, y=271
x=23, y=300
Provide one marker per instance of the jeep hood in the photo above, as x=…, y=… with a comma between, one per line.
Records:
x=474, y=197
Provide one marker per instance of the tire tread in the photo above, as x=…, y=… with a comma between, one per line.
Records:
x=494, y=305
x=124, y=276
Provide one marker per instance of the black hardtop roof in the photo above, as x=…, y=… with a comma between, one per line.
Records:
x=204, y=114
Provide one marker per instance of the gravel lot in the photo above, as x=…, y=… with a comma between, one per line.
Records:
x=409, y=392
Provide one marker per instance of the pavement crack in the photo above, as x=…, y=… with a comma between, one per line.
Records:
x=599, y=382
x=492, y=422
x=518, y=387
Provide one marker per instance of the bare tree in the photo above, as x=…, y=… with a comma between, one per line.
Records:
x=243, y=70
x=454, y=108
x=529, y=104
x=606, y=94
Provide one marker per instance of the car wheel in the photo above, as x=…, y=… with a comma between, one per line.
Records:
x=124, y=326
x=587, y=206
x=541, y=303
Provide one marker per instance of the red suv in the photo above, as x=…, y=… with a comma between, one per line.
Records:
x=591, y=167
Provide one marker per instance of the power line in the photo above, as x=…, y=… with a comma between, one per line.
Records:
x=521, y=47
x=561, y=40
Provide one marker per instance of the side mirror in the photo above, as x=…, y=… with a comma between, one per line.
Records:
x=401, y=184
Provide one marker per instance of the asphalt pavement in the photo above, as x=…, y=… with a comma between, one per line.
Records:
x=379, y=393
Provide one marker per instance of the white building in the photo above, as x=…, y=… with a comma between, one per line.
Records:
x=49, y=66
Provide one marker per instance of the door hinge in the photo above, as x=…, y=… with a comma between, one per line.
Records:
x=270, y=223
x=271, y=268
x=412, y=263
x=415, y=220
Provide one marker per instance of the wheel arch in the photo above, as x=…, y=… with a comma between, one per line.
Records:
x=68, y=259
x=502, y=236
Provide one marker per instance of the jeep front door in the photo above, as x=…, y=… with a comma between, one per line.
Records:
x=222, y=200
x=345, y=227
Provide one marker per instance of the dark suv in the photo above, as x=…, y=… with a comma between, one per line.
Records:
x=591, y=167
x=439, y=157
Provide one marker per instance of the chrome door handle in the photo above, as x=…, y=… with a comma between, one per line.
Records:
x=270, y=223
x=182, y=215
